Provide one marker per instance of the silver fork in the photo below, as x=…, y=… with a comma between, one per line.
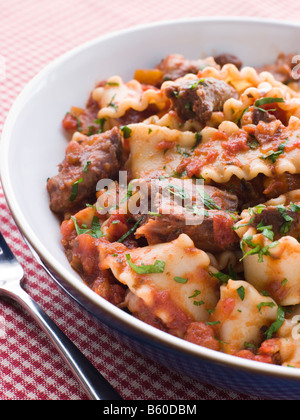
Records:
x=11, y=277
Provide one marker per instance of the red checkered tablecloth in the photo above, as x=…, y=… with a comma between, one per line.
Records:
x=33, y=33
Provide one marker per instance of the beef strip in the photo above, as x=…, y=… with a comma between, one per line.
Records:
x=210, y=227
x=87, y=160
x=281, y=69
x=282, y=220
x=175, y=66
x=248, y=193
x=281, y=184
x=213, y=233
x=225, y=58
x=255, y=115
x=199, y=98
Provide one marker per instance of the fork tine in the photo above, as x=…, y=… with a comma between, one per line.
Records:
x=5, y=251
x=10, y=268
x=11, y=273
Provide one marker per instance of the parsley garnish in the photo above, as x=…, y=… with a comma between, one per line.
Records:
x=221, y=276
x=101, y=122
x=208, y=201
x=180, y=280
x=288, y=220
x=241, y=292
x=252, y=142
x=74, y=190
x=177, y=191
x=261, y=304
x=198, y=137
x=126, y=131
x=265, y=101
x=112, y=104
x=85, y=168
x=277, y=324
x=266, y=231
x=132, y=230
x=272, y=156
x=95, y=230
x=157, y=267
x=256, y=248
x=196, y=293
x=196, y=83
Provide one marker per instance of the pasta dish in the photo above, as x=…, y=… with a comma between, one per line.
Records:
x=179, y=201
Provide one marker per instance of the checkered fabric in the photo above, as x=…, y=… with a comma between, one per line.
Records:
x=33, y=33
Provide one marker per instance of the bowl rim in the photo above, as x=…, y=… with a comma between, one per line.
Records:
x=44, y=257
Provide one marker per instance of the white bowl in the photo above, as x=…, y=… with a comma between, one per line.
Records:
x=33, y=143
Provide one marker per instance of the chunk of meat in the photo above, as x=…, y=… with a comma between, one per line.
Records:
x=213, y=234
x=175, y=66
x=281, y=184
x=254, y=115
x=206, y=214
x=249, y=193
x=202, y=334
x=281, y=69
x=84, y=258
x=87, y=160
x=198, y=98
x=282, y=220
x=226, y=58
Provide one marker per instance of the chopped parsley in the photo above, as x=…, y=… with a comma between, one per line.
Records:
x=126, y=131
x=100, y=122
x=128, y=193
x=264, y=304
x=112, y=84
x=288, y=220
x=207, y=200
x=272, y=156
x=74, y=190
x=132, y=230
x=198, y=137
x=256, y=248
x=180, y=280
x=86, y=165
x=112, y=104
x=195, y=294
x=181, y=152
x=196, y=83
x=198, y=302
x=265, y=101
x=94, y=231
x=295, y=208
x=277, y=324
x=157, y=267
x=222, y=277
x=177, y=191
x=252, y=142
x=241, y=292
x=266, y=231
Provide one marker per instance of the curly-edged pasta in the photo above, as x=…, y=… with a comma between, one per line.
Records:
x=240, y=314
x=179, y=201
x=176, y=294
x=115, y=98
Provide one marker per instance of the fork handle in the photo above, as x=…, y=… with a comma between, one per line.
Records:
x=94, y=384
